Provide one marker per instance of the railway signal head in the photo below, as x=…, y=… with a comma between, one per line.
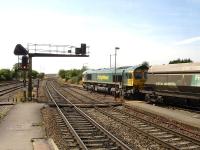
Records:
x=77, y=51
x=81, y=50
x=20, y=50
x=24, y=62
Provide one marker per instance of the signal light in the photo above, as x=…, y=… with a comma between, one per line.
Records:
x=81, y=50
x=77, y=51
x=24, y=62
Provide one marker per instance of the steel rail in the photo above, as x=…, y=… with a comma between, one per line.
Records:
x=196, y=141
x=152, y=115
x=9, y=90
x=9, y=83
x=138, y=130
x=73, y=132
x=91, y=99
x=184, y=137
x=117, y=141
x=165, y=143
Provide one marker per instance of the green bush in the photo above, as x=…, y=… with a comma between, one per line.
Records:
x=73, y=76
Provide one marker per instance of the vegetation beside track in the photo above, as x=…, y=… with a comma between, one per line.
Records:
x=73, y=76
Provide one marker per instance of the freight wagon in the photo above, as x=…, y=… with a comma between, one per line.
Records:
x=173, y=83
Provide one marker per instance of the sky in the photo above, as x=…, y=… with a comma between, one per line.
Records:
x=155, y=31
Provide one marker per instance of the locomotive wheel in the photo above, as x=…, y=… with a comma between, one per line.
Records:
x=147, y=98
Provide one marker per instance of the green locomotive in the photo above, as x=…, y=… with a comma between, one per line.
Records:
x=124, y=80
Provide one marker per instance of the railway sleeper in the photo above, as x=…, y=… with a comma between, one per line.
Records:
x=79, y=122
x=190, y=147
x=166, y=139
x=179, y=143
x=85, y=133
x=153, y=130
x=72, y=144
x=69, y=117
x=86, y=130
x=159, y=133
x=59, y=121
x=64, y=130
x=96, y=140
x=62, y=125
x=93, y=137
x=124, y=117
x=94, y=145
x=146, y=127
x=137, y=121
x=76, y=120
x=140, y=123
x=75, y=126
x=68, y=138
x=66, y=134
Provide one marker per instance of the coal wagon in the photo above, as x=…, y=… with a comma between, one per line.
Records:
x=173, y=83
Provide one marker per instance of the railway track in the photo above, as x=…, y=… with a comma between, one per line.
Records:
x=89, y=99
x=81, y=96
x=194, y=109
x=183, y=107
x=185, y=129
x=9, y=90
x=82, y=132
x=164, y=136
x=9, y=87
x=2, y=84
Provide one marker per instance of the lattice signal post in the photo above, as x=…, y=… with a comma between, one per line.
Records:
x=48, y=50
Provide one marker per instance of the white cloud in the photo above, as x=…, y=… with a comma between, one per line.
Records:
x=188, y=41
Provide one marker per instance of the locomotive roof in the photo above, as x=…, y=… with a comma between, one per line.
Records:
x=176, y=68
x=112, y=70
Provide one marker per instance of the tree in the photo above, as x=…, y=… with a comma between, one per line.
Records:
x=41, y=75
x=73, y=75
x=34, y=74
x=16, y=73
x=177, y=61
x=61, y=73
x=84, y=68
x=145, y=63
x=5, y=74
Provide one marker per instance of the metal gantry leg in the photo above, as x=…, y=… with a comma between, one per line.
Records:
x=30, y=79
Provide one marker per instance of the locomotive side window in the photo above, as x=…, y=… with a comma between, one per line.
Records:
x=117, y=78
x=129, y=75
x=89, y=77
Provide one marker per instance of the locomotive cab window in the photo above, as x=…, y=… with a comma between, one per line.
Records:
x=138, y=75
x=129, y=75
x=89, y=77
